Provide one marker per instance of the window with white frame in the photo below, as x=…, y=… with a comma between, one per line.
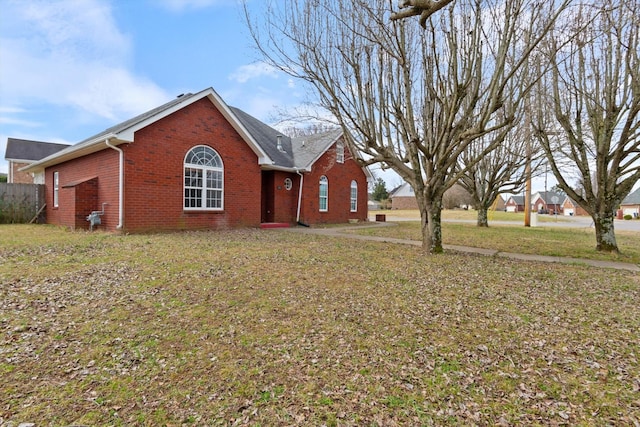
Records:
x=354, y=196
x=56, y=188
x=324, y=194
x=340, y=152
x=203, y=179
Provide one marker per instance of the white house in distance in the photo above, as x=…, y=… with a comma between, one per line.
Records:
x=631, y=204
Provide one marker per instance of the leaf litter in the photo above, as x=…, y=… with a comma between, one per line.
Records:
x=262, y=327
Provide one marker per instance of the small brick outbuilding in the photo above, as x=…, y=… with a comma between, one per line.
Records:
x=196, y=163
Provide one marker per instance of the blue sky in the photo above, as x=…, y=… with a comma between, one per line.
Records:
x=72, y=68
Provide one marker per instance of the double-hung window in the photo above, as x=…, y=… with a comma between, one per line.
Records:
x=324, y=194
x=56, y=189
x=203, y=179
x=340, y=152
x=354, y=196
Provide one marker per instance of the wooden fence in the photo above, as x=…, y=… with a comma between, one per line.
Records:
x=20, y=203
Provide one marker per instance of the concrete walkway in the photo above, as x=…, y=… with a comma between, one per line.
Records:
x=343, y=232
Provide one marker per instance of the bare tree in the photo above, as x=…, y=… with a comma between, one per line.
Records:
x=410, y=99
x=499, y=171
x=593, y=94
x=424, y=8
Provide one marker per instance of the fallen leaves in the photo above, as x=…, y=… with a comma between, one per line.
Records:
x=263, y=327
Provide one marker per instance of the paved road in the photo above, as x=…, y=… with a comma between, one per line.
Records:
x=562, y=221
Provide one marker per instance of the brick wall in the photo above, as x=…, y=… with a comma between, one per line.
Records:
x=285, y=201
x=75, y=201
x=154, y=171
x=339, y=176
x=18, y=177
x=405, y=202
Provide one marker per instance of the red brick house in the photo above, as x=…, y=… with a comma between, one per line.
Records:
x=547, y=202
x=571, y=208
x=22, y=152
x=196, y=163
x=514, y=204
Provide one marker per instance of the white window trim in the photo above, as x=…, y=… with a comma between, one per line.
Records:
x=340, y=152
x=56, y=189
x=204, y=170
x=323, y=180
x=353, y=200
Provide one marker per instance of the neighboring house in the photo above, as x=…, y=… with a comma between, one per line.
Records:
x=196, y=163
x=547, y=202
x=23, y=152
x=514, y=204
x=631, y=204
x=403, y=197
x=571, y=208
x=499, y=204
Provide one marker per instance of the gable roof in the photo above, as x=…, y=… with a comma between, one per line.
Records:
x=124, y=132
x=291, y=154
x=547, y=197
x=308, y=149
x=29, y=151
x=632, y=198
x=518, y=200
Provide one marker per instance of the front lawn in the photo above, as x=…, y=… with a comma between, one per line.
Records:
x=265, y=327
x=551, y=241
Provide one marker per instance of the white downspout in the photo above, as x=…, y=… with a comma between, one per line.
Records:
x=299, y=195
x=120, y=183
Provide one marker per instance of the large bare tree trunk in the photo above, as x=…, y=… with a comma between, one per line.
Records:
x=605, y=234
x=482, y=217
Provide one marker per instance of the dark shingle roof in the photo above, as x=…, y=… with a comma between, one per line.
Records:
x=137, y=119
x=298, y=153
x=24, y=149
x=267, y=138
x=633, y=198
x=547, y=196
x=307, y=149
x=518, y=199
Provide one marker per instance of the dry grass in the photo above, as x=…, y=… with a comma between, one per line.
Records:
x=551, y=241
x=274, y=328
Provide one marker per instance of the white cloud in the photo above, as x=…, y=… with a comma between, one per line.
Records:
x=72, y=54
x=253, y=71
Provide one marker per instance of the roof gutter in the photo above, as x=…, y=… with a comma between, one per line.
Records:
x=70, y=153
x=299, y=195
x=120, y=182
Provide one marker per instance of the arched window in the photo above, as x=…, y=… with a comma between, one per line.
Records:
x=354, y=196
x=324, y=194
x=203, y=179
x=340, y=152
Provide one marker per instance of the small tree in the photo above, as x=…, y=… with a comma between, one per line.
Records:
x=499, y=171
x=380, y=192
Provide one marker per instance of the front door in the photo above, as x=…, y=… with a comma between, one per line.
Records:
x=267, y=196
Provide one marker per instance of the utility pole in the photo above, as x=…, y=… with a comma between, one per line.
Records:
x=527, y=168
x=527, y=191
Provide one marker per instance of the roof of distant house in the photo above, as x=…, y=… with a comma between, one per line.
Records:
x=632, y=198
x=30, y=151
